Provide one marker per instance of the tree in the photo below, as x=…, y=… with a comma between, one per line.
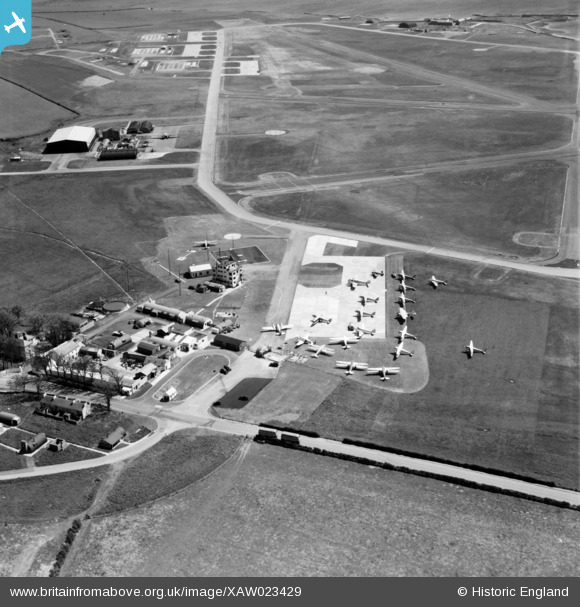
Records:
x=17, y=311
x=36, y=323
x=112, y=384
x=19, y=381
x=58, y=329
x=7, y=322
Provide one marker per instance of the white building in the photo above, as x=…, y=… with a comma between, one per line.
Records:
x=228, y=272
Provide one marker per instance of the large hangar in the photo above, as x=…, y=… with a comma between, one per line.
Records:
x=70, y=140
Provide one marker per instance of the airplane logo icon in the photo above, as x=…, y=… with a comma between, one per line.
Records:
x=17, y=23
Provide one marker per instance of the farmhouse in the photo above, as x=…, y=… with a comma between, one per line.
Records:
x=67, y=350
x=229, y=343
x=73, y=409
x=70, y=140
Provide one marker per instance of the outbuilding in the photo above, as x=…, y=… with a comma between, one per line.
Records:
x=407, y=24
x=118, y=154
x=70, y=140
x=229, y=343
x=197, y=321
x=34, y=443
x=146, y=126
x=119, y=342
x=200, y=270
x=111, y=441
x=9, y=419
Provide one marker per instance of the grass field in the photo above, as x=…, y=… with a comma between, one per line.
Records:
x=50, y=498
x=479, y=209
x=177, y=461
x=70, y=454
x=116, y=222
x=546, y=76
x=10, y=460
x=243, y=393
x=514, y=409
x=345, y=139
x=24, y=113
x=294, y=394
x=197, y=372
x=281, y=512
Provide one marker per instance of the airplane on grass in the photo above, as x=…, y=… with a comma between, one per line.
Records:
x=360, y=314
x=304, y=339
x=383, y=372
x=404, y=287
x=470, y=350
x=277, y=327
x=204, y=244
x=360, y=331
x=17, y=23
x=400, y=350
x=402, y=276
x=350, y=366
x=344, y=341
x=402, y=314
x=320, y=350
x=403, y=300
x=375, y=273
x=436, y=282
x=403, y=333
x=320, y=319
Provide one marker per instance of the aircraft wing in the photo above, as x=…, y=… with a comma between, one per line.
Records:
x=341, y=364
x=360, y=365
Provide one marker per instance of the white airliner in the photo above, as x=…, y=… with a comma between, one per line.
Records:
x=470, y=350
x=383, y=372
x=372, y=300
x=350, y=366
x=360, y=331
x=320, y=319
x=400, y=350
x=320, y=350
x=402, y=276
x=404, y=333
x=17, y=23
x=360, y=314
x=344, y=341
x=277, y=327
x=436, y=282
x=403, y=300
x=304, y=339
x=376, y=273
x=204, y=244
x=404, y=287
x=403, y=314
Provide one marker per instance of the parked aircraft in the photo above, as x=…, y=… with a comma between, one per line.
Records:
x=204, y=244
x=350, y=366
x=304, y=339
x=320, y=319
x=402, y=314
x=376, y=273
x=404, y=287
x=362, y=300
x=383, y=372
x=470, y=350
x=400, y=350
x=353, y=283
x=372, y=300
x=436, y=282
x=277, y=327
x=360, y=314
x=360, y=331
x=403, y=333
x=343, y=340
x=402, y=276
x=320, y=350
x=403, y=300
x=17, y=23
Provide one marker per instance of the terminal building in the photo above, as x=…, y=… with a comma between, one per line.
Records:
x=228, y=272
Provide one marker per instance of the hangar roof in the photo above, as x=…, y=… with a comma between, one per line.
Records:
x=74, y=133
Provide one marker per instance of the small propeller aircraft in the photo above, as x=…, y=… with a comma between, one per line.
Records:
x=403, y=300
x=320, y=319
x=204, y=244
x=350, y=366
x=344, y=341
x=402, y=276
x=404, y=287
x=400, y=350
x=403, y=315
x=353, y=283
x=375, y=273
x=360, y=314
x=435, y=282
x=304, y=339
x=372, y=300
x=470, y=350
x=360, y=331
x=383, y=372
x=320, y=350
x=277, y=327
x=403, y=333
